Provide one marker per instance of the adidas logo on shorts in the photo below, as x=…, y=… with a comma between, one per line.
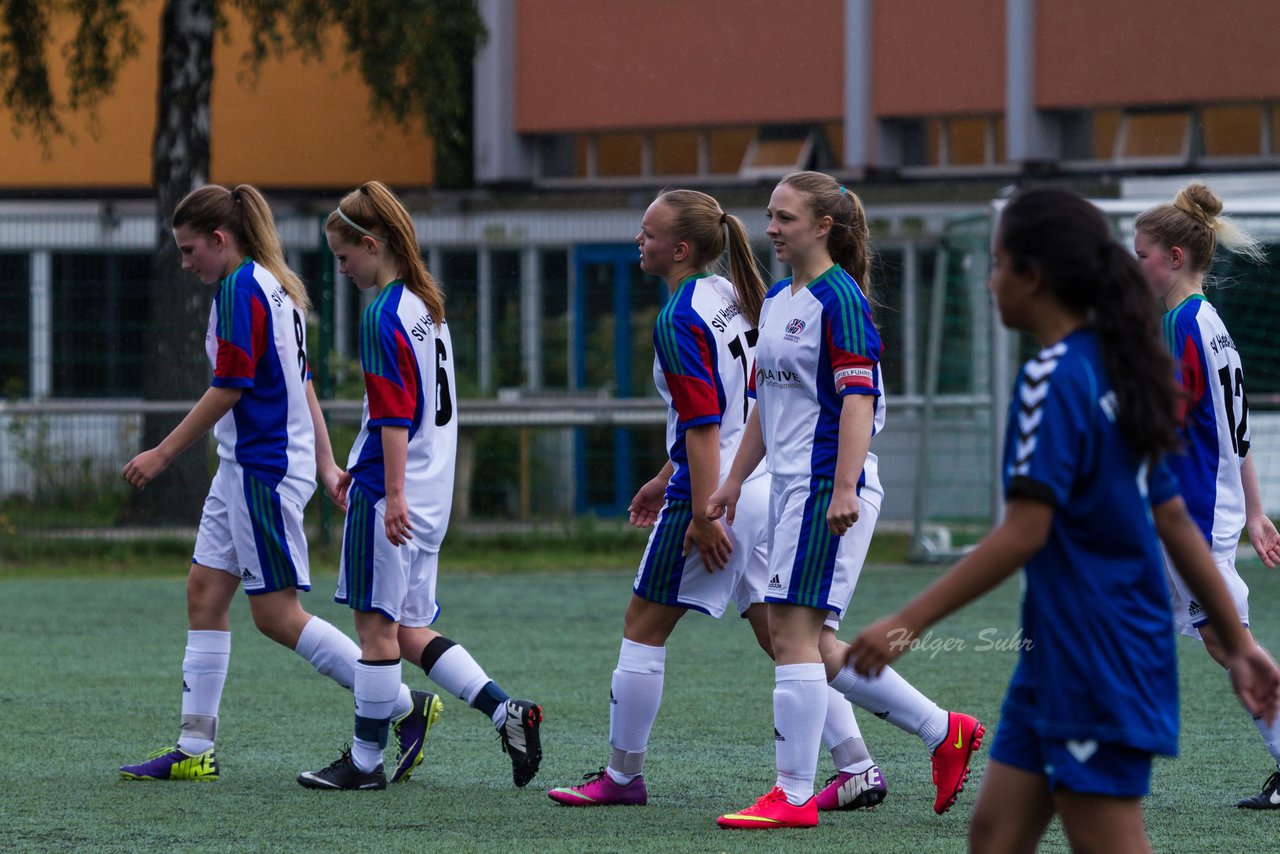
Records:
x=246, y=575
x=775, y=583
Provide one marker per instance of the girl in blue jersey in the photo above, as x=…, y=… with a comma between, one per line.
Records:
x=704, y=342
x=1175, y=246
x=272, y=443
x=399, y=497
x=1095, y=691
x=819, y=402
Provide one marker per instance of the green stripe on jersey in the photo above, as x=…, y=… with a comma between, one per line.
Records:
x=370, y=329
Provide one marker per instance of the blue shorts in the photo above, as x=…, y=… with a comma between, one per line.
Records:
x=1088, y=767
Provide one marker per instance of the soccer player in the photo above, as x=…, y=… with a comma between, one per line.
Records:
x=817, y=381
x=1095, y=692
x=400, y=494
x=271, y=440
x=704, y=342
x=1175, y=245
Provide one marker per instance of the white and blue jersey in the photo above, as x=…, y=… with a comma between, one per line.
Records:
x=815, y=347
x=1215, y=423
x=703, y=350
x=407, y=359
x=1099, y=660
x=256, y=342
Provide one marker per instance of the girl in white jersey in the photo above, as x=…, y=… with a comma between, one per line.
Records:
x=704, y=342
x=399, y=494
x=272, y=442
x=817, y=381
x=1175, y=245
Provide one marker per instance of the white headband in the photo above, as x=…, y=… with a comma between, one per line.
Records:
x=359, y=228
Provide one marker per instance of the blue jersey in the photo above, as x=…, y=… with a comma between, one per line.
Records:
x=257, y=342
x=1215, y=422
x=703, y=350
x=1100, y=663
x=816, y=345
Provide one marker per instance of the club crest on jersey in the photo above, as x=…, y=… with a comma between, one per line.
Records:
x=795, y=326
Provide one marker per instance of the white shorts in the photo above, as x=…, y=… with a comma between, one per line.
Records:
x=808, y=565
x=670, y=578
x=1188, y=616
x=398, y=582
x=249, y=530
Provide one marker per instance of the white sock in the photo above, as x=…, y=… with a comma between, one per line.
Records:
x=841, y=736
x=376, y=689
x=329, y=651
x=634, y=697
x=896, y=700
x=1270, y=736
x=799, y=707
x=333, y=654
x=204, y=672
x=457, y=672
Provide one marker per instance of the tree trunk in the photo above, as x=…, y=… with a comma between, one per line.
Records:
x=177, y=368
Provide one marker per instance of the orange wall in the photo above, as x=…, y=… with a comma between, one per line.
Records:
x=937, y=58
x=1124, y=52
x=603, y=64
x=302, y=125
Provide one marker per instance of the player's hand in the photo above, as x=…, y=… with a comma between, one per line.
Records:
x=145, y=467
x=880, y=643
x=1256, y=681
x=647, y=503
x=336, y=483
x=708, y=536
x=396, y=518
x=1265, y=539
x=724, y=501
x=842, y=513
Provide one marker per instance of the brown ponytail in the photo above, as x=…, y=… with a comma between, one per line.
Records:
x=244, y=213
x=699, y=221
x=374, y=208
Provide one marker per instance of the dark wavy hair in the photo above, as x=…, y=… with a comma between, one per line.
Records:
x=1067, y=241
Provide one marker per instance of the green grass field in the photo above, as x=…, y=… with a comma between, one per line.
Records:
x=89, y=679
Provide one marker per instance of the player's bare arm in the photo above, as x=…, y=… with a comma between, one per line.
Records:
x=643, y=510
x=724, y=501
x=1023, y=532
x=148, y=465
x=705, y=532
x=395, y=452
x=857, y=415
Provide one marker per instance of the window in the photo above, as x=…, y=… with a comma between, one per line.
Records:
x=1232, y=131
x=458, y=278
x=675, y=153
x=967, y=141
x=619, y=155
x=778, y=150
x=504, y=294
x=726, y=147
x=951, y=142
x=1164, y=135
x=15, y=326
x=554, y=327
x=1105, y=130
x=99, y=317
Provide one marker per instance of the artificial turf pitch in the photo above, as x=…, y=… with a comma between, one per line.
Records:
x=90, y=679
